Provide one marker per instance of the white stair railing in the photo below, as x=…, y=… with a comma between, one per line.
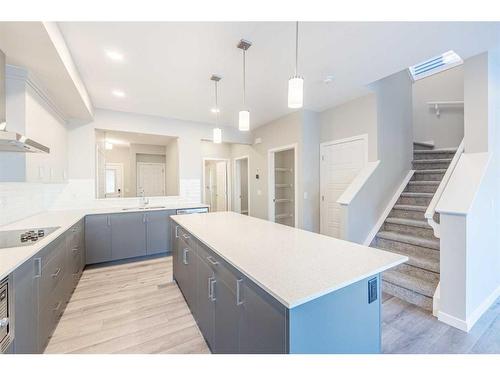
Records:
x=431, y=210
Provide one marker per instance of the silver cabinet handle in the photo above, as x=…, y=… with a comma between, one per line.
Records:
x=144, y=218
x=176, y=231
x=186, y=236
x=239, y=301
x=4, y=322
x=212, y=260
x=54, y=275
x=75, y=250
x=184, y=256
x=108, y=220
x=57, y=306
x=38, y=268
x=212, y=287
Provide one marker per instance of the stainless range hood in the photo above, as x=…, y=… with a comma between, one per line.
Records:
x=12, y=141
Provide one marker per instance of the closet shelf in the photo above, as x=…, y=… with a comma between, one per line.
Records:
x=277, y=169
x=283, y=200
x=283, y=216
x=283, y=185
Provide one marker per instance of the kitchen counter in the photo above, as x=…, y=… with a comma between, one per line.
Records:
x=293, y=265
x=13, y=257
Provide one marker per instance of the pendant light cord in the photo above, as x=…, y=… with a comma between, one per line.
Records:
x=216, y=106
x=244, y=80
x=296, y=47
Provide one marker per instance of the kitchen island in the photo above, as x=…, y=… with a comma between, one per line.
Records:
x=255, y=286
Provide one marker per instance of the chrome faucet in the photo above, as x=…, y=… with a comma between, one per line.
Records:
x=143, y=201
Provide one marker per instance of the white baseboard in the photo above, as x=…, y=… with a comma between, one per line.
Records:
x=466, y=325
x=388, y=209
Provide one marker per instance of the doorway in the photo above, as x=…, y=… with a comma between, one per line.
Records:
x=282, y=205
x=341, y=161
x=150, y=179
x=241, y=180
x=113, y=180
x=216, y=184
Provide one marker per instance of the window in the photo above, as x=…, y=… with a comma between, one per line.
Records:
x=435, y=65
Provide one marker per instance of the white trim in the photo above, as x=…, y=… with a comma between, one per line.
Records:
x=388, y=208
x=270, y=183
x=435, y=300
x=466, y=325
x=26, y=76
x=351, y=191
x=228, y=180
x=248, y=177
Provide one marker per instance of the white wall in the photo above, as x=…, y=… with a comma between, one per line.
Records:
x=469, y=206
x=189, y=134
x=447, y=130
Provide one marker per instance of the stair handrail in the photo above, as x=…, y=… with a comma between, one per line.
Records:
x=431, y=210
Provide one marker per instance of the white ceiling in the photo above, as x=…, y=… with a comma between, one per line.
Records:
x=167, y=66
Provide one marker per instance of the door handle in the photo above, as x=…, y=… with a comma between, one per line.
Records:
x=239, y=301
x=184, y=256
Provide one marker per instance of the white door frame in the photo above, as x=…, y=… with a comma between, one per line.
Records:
x=228, y=179
x=248, y=181
x=120, y=167
x=362, y=137
x=139, y=163
x=270, y=179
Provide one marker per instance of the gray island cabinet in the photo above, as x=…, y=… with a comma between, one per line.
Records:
x=238, y=313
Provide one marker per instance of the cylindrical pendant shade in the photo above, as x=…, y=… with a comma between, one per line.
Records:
x=217, y=135
x=295, y=92
x=244, y=121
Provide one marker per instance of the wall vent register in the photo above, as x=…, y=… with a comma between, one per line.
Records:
x=435, y=65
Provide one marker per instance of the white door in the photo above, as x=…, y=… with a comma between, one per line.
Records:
x=237, y=186
x=221, y=189
x=113, y=180
x=151, y=179
x=341, y=161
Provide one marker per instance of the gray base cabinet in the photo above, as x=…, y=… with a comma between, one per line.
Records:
x=43, y=286
x=127, y=235
x=235, y=315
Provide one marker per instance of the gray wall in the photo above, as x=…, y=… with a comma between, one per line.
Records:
x=447, y=130
x=394, y=145
x=356, y=117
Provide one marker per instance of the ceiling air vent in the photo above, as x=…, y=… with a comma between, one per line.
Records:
x=435, y=65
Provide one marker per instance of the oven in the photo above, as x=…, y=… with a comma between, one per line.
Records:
x=5, y=318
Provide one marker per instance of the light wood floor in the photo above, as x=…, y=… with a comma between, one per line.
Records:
x=136, y=308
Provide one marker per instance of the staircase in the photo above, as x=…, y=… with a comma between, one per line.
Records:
x=406, y=231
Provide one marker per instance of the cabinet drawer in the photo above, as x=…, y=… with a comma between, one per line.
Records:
x=53, y=273
x=75, y=235
x=50, y=312
x=186, y=237
x=224, y=272
x=51, y=250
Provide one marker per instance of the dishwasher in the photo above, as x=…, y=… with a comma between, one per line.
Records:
x=188, y=211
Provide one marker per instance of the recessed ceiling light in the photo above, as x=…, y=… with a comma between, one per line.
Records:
x=215, y=110
x=114, y=55
x=118, y=93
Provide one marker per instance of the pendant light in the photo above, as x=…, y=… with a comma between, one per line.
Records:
x=216, y=132
x=244, y=114
x=296, y=83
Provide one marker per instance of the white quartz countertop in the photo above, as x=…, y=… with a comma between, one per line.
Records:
x=13, y=257
x=295, y=266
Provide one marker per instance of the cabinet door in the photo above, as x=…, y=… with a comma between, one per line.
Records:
x=98, y=238
x=227, y=316
x=205, y=316
x=158, y=232
x=262, y=323
x=128, y=235
x=25, y=281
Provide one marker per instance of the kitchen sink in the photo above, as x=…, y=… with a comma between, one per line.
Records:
x=143, y=208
